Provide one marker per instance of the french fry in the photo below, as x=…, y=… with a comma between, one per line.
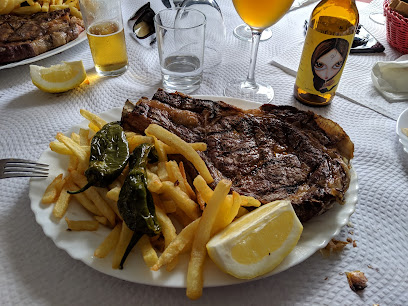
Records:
x=52, y=192
x=109, y=243
x=175, y=175
x=84, y=137
x=158, y=145
x=176, y=247
x=168, y=231
x=95, y=119
x=136, y=140
x=83, y=199
x=45, y=7
x=102, y=220
x=149, y=254
x=73, y=163
x=93, y=127
x=162, y=171
x=205, y=191
x=250, y=202
x=241, y=211
x=153, y=182
x=196, y=146
x=200, y=200
x=75, y=11
x=103, y=192
x=183, y=147
x=182, y=200
x=28, y=10
x=181, y=217
x=93, y=194
x=124, y=239
x=61, y=205
x=236, y=204
x=74, y=147
x=113, y=194
x=60, y=148
x=190, y=190
x=82, y=225
x=169, y=206
x=202, y=236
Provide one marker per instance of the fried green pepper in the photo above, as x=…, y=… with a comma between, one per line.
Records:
x=135, y=202
x=108, y=158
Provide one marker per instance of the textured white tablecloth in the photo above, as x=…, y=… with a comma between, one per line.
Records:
x=33, y=271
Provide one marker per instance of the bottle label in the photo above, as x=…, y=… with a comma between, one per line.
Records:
x=322, y=62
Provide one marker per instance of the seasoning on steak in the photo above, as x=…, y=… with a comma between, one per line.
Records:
x=270, y=153
x=23, y=36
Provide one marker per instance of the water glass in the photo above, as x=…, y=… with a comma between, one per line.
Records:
x=180, y=34
x=106, y=37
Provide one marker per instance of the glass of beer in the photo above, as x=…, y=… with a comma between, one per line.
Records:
x=106, y=37
x=258, y=15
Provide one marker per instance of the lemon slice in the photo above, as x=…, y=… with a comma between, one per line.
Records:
x=257, y=242
x=58, y=78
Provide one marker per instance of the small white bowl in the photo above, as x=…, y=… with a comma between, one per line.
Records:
x=402, y=122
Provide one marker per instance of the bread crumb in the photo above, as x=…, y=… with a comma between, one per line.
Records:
x=357, y=280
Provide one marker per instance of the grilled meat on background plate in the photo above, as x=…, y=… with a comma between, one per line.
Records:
x=23, y=37
x=270, y=153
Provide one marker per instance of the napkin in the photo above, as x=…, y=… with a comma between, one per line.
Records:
x=391, y=79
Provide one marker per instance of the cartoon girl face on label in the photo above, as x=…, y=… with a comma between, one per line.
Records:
x=327, y=60
x=329, y=65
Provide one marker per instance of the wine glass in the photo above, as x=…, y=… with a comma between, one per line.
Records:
x=258, y=15
x=243, y=32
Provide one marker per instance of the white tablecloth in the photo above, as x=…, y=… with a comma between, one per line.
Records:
x=33, y=271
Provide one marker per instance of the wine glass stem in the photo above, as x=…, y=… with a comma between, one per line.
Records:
x=250, y=80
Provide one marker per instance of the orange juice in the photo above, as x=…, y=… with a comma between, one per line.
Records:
x=260, y=14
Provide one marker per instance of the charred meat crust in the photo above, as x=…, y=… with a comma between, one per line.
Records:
x=274, y=152
x=23, y=37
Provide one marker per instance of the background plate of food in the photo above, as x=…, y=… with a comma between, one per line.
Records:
x=317, y=232
x=34, y=30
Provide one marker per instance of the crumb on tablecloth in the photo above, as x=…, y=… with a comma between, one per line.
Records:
x=357, y=280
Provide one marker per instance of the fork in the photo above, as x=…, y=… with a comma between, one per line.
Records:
x=12, y=167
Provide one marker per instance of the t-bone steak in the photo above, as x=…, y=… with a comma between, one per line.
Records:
x=270, y=153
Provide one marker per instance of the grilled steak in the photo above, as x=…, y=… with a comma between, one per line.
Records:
x=270, y=153
x=23, y=37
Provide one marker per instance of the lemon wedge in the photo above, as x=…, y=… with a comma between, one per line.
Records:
x=257, y=242
x=58, y=78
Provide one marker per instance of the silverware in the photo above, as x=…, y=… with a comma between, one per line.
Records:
x=12, y=167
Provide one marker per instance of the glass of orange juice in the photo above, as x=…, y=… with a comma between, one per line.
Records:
x=258, y=15
x=106, y=37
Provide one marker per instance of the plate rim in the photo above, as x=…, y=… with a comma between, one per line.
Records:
x=351, y=203
x=81, y=37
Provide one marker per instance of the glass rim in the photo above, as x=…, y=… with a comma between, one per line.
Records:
x=179, y=9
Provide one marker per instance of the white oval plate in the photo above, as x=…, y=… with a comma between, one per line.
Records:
x=44, y=55
x=402, y=122
x=81, y=245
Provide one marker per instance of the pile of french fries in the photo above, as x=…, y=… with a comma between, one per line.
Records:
x=196, y=210
x=28, y=7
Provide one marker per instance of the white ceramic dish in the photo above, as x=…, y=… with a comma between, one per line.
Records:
x=402, y=122
x=81, y=245
x=44, y=55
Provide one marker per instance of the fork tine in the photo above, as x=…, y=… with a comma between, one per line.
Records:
x=24, y=166
x=9, y=175
x=23, y=170
x=25, y=161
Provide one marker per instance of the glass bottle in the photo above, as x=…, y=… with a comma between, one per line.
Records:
x=328, y=41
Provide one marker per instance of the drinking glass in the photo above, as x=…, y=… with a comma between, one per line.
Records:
x=258, y=15
x=180, y=34
x=106, y=37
